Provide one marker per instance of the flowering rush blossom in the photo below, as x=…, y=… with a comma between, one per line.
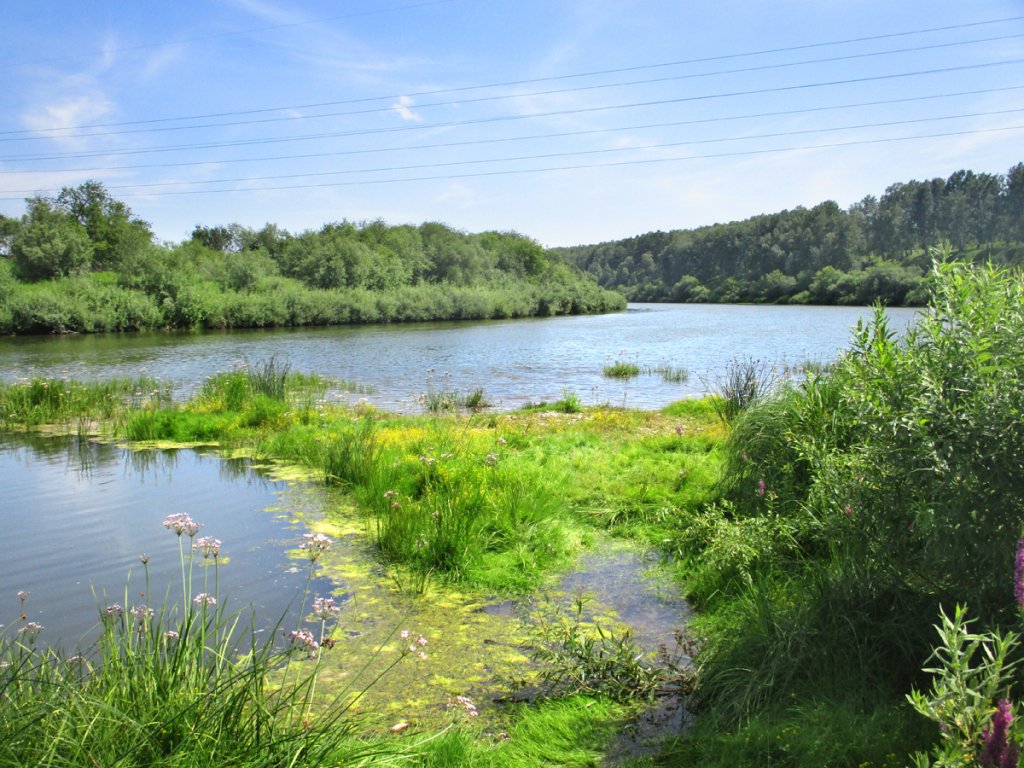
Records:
x=30, y=629
x=465, y=704
x=303, y=638
x=998, y=751
x=325, y=607
x=209, y=546
x=141, y=612
x=315, y=544
x=204, y=599
x=182, y=522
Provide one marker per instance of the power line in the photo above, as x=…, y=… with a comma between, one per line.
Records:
x=247, y=32
x=521, y=171
x=559, y=113
x=546, y=136
x=530, y=81
x=12, y=136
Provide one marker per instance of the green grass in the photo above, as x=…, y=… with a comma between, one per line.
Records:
x=66, y=403
x=182, y=685
x=621, y=370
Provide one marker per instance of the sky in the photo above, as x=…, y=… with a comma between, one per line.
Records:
x=570, y=121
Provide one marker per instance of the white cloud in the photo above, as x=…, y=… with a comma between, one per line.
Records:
x=58, y=118
x=402, y=107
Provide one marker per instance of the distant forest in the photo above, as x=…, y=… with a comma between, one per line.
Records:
x=82, y=261
x=877, y=249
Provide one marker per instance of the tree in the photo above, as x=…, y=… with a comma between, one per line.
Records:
x=49, y=243
x=116, y=234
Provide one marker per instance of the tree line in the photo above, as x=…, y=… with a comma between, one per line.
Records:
x=83, y=261
x=877, y=249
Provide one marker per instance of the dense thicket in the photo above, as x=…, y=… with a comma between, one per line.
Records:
x=877, y=249
x=82, y=261
x=855, y=506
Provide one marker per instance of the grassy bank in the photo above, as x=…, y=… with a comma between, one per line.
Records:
x=823, y=530
x=482, y=503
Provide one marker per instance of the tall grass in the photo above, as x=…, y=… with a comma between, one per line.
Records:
x=57, y=401
x=176, y=686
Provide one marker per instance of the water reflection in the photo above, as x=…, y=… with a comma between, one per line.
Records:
x=78, y=513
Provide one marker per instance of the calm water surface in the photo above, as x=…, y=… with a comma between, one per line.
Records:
x=515, y=361
x=77, y=515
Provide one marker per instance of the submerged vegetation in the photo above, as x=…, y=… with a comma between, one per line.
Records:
x=822, y=529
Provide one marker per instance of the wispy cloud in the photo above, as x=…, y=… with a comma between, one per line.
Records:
x=403, y=108
x=156, y=64
x=55, y=119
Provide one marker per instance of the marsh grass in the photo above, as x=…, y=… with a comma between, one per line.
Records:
x=621, y=370
x=670, y=374
x=575, y=655
x=450, y=400
x=741, y=385
x=181, y=685
x=61, y=402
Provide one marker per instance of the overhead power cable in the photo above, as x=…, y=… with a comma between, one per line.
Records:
x=520, y=171
x=553, y=78
x=241, y=32
x=64, y=132
x=379, y=150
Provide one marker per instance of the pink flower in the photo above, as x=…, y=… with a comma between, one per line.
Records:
x=999, y=751
x=1018, y=574
x=204, y=599
x=31, y=630
x=180, y=523
x=325, y=607
x=315, y=544
x=209, y=546
x=303, y=638
x=760, y=487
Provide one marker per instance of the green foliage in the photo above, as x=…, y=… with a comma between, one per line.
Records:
x=972, y=672
x=859, y=502
x=576, y=656
x=341, y=274
x=49, y=244
x=876, y=250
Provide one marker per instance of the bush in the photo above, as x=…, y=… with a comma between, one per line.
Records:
x=862, y=500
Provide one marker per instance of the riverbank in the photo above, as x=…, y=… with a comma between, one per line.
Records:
x=821, y=533
x=455, y=524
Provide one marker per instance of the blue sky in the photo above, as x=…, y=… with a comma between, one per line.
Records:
x=568, y=121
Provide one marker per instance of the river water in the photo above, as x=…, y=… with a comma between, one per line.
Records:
x=77, y=513
x=514, y=361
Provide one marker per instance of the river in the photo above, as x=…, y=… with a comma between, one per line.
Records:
x=514, y=361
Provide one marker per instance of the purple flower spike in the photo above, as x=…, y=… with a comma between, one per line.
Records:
x=998, y=751
x=1018, y=574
